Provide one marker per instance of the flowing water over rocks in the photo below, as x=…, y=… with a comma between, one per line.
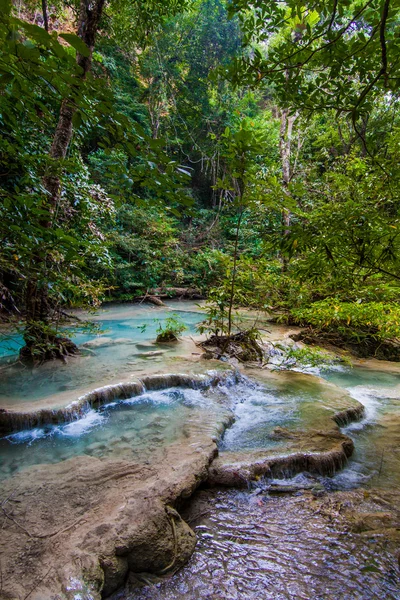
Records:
x=311, y=542
x=271, y=548
x=122, y=349
x=91, y=489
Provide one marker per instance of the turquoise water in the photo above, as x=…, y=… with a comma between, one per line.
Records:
x=249, y=546
x=259, y=410
x=132, y=429
x=134, y=322
x=119, y=350
x=361, y=376
x=376, y=458
x=256, y=546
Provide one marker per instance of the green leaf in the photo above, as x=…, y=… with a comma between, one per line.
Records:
x=77, y=119
x=76, y=42
x=5, y=7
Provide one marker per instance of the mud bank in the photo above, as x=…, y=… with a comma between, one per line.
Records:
x=83, y=527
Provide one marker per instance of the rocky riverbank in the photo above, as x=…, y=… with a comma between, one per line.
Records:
x=85, y=526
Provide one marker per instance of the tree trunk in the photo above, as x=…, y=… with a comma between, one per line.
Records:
x=40, y=342
x=45, y=18
x=233, y=281
x=89, y=18
x=285, y=142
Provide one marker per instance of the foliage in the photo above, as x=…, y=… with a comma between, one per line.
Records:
x=216, y=309
x=312, y=357
x=322, y=55
x=378, y=320
x=169, y=329
x=175, y=174
x=61, y=250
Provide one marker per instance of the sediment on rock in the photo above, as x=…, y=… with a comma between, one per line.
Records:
x=18, y=420
x=349, y=415
x=104, y=522
x=95, y=522
x=322, y=453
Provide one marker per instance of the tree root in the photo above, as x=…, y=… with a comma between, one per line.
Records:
x=56, y=348
x=364, y=347
x=171, y=513
x=244, y=346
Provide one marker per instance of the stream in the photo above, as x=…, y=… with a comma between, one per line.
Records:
x=252, y=544
x=255, y=545
x=124, y=346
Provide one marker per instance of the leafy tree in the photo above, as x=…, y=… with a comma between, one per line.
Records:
x=240, y=149
x=58, y=93
x=328, y=55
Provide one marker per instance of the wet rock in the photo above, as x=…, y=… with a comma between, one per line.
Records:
x=105, y=342
x=115, y=570
x=98, y=342
x=151, y=353
x=289, y=489
x=317, y=452
x=371, y=521
x=106, y=517
x=166, y=548
x=145, y=345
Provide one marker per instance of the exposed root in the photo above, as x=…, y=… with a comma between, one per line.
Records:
x=244, y=346
x=10, y=518
x=70, y=317
x=58, y=348
x=171, y=515
x=166, y=337
x=37, y=583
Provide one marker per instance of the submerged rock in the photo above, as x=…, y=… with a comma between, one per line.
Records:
x=92, y=524
x=18, y=420
x=105, y=342
x=151, y=353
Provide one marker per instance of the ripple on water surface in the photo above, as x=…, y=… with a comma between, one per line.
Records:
x=278, y=548
x=376, y=458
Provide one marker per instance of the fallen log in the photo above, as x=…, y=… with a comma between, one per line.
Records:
x=156, y=295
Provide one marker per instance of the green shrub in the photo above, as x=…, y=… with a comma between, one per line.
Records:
x=352, y=320
x=170, y=329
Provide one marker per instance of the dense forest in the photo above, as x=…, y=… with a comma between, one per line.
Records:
x=248, y=153
x=199, y=299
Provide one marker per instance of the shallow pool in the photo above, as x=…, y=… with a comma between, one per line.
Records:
x=127, y=343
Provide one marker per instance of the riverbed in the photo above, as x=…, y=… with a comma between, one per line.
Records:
x=256, y=544
x=253, y=542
